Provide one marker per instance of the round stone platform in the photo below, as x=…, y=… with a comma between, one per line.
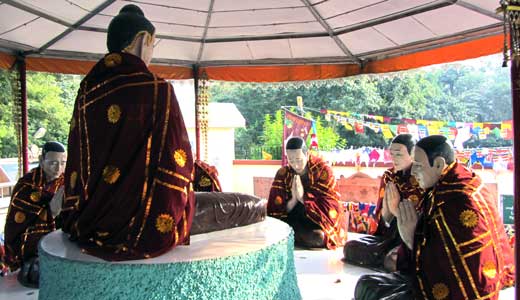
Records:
x=250, y=262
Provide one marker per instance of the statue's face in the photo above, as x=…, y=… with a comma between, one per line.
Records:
x=426, y=175
x=53, y=164
x=400, y=156
x=297, y=160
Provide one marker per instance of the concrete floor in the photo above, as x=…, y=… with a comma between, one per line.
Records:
x=321, y=273
x=321, y=276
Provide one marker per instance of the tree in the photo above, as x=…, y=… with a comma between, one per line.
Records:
x=50, y=99
x=272, y=136
x=8, y=147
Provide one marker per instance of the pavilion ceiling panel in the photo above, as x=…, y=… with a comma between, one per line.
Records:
x=229, y=5
x=174, y=30
x=227, y=51
x=453, y=19
x=275, y=49
x=366, y=40
x=162, y=28
x=68, y=11
x=25, y=28
x=353, y=33
x=263, y=17
x=162, y=14
x=201, y=5
x=369, y=12
x=91, y=42
x=178, y=50
x=332, y=8
x=404, y=31
x=99, y=21
x=315, y=47
x=265, y=30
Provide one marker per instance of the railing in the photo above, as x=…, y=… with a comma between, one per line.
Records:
x=256, y=152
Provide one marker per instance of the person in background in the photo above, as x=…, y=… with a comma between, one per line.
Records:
x=33, y=212
x=304, y=195
x=397, y=184
x=457, y=247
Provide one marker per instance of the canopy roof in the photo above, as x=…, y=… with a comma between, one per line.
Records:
x=250, y=40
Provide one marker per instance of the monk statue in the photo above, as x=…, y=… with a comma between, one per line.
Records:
x=456, y=246
x=33, y=212
x=304, y=195
x=381, y=249
x=206, y=178
x=129, y=181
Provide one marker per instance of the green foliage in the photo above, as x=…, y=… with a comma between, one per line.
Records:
x=272, y=138
x=478, y=91
x=468, y=92
x=328, y=137
x=50, y=99
x=273, y=130
x=8, y=147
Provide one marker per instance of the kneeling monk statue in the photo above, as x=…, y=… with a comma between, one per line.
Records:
x=128, y=181
x=304, y=195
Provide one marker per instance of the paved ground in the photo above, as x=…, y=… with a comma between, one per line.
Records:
x=321, y=276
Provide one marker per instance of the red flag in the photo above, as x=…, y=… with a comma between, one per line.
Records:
x=402, y=128
x=294, y=125
x=359, y=128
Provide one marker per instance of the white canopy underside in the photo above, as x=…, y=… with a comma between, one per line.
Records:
x=249, y=32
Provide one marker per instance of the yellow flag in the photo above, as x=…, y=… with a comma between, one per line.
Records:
x=266, y=156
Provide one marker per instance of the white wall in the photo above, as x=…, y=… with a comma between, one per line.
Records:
x=221, y=153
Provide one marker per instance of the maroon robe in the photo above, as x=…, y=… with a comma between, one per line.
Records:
x=29, y=217
x=460, y=246
x=128, y=178
x=206, y=178
x=320, y=197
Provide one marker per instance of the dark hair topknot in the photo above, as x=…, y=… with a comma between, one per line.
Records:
x=125, y=26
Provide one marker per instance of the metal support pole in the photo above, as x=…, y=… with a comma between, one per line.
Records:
x=23, y=98
x=197, y=106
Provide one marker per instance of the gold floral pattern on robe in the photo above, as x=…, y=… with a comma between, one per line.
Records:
x=489, y=269
x=35, y=196
x=468, y=218
x=204, y=181
x=113, y=113
x=19, y=217
x=111, y=174
x=180, y=157
x=164, y=223
x=113, y=60
x=440, y=291
x=324, y=175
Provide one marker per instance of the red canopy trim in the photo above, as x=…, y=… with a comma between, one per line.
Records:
x=6, y=61
x=466, y=50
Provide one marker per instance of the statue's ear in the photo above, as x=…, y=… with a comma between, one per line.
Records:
x=145, y=41
x=439, y=163
x=141, y=46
